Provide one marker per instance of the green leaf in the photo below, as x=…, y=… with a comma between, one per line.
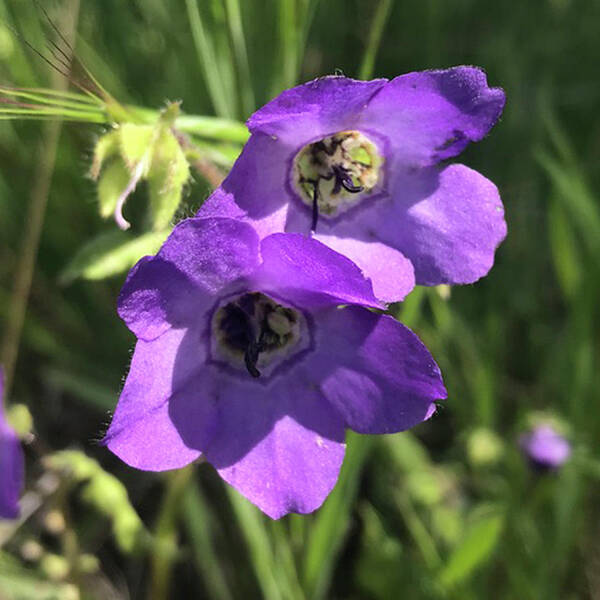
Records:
x=110, y=254
x=475, y=548
x=113, y=181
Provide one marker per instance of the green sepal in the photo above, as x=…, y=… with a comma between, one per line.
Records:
x=113, y=181
x=106, y=147
x=137, y=144
x=167, y=177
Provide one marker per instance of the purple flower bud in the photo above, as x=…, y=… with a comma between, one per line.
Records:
x=356, y=164
x=245, y=357
x=11, y=464
x=545, y=447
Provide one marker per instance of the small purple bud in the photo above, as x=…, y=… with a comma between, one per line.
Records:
x=545, y=447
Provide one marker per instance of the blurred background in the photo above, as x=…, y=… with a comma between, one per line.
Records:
x=449, y=510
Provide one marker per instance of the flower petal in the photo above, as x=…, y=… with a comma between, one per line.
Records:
x=282, y=448
x=255, y=186
x=314, y=110
x=11, y=465
x=212, y=252
x=199, y=259
x=142, y=432
x=155, y=297
x=429, y=116
x=385, y=379
x=11, y=472
x=448, y=222
x=391, y=274
x=301, y=267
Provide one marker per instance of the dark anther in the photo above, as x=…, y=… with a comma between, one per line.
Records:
x=236, y=327
x=239, y=333
x=251, y=358
x=343, y=179
x=254, y=349
x=254, y=325
x=350, y=187
x=315, y=206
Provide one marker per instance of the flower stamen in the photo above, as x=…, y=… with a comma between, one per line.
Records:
x=349, y=161
x=315, y=206
x=253, y=331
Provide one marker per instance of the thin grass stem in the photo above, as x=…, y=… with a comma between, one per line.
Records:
x=208, y=61
x=236, y=31
x=377, y=26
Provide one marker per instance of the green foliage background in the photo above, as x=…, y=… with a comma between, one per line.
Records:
x=449, y=510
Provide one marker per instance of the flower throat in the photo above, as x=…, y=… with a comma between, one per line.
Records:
x=333, y=174
x=254, y=330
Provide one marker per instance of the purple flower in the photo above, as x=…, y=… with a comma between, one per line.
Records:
x=356, y=162
x=11, y=465
x=244, y=357
x=545, y=447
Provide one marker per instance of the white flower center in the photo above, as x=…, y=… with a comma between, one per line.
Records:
x=337, y=172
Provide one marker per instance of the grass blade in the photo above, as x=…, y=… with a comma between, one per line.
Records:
x=379, y=20
x=259, y=545
x=234, y=21
x=198, y=518
x=332, y=522
x=208, y=62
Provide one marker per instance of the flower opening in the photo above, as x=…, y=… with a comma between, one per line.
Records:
x=257, y=333
x=335, y=173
